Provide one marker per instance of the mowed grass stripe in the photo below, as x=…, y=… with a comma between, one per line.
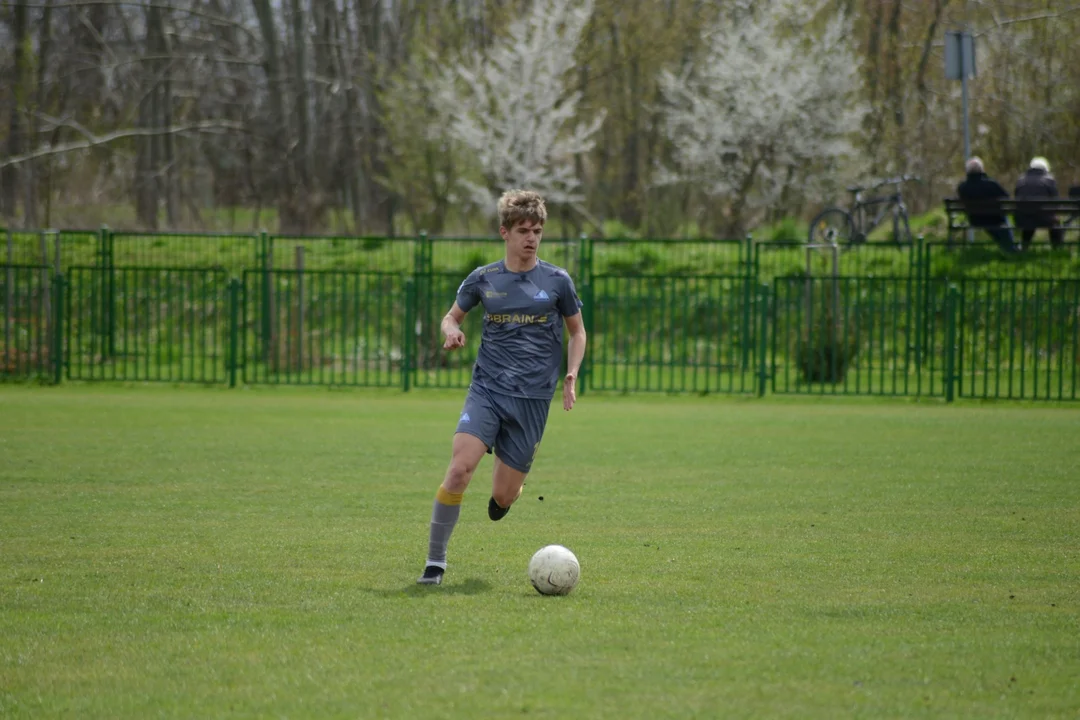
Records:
x=199, y=552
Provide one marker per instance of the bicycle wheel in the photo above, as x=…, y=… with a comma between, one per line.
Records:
x=901, y=227
x=832, y=225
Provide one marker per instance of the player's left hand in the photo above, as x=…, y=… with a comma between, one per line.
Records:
x=568, y=394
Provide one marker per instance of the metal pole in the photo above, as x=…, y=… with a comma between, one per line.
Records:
x=234, y=330
x=964, y=70
x=9, y=300
x=299, y=308
x=46, y=291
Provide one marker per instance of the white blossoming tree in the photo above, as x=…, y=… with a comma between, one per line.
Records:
x=511, y=109
x=771, y=99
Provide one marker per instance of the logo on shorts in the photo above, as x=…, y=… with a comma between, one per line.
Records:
x=465, y=418
x=540, y=296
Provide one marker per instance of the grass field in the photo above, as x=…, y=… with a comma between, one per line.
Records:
x=253, y=553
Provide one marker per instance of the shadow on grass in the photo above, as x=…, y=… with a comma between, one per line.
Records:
x=471, y=586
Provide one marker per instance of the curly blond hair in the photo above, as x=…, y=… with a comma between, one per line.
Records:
x=519, y=205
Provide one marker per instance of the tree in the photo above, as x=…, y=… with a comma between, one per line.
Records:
x=771, y=99
x=511, y=108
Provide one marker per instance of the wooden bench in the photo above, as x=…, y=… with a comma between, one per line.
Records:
x=1067, y=211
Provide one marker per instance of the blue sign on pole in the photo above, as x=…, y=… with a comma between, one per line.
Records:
x=959, y=55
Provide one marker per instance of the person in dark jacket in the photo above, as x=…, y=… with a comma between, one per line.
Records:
x=1037, y=183
x=978, y=186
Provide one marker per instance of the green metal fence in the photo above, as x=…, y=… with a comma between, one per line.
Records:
x=358, y=254
x=583, y=257
x=671, y=334
x=31, y=303
x=633, y=257
x=1018, y=339
x=431, y=366
x=58, y=249
x=324, y=327
x=191, y=250
x=858, y=336
x=147, y=324
x=784, y=259
x=663, y=315
x=985, y=261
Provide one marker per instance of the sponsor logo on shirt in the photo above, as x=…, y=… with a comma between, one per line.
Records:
x=518, y=318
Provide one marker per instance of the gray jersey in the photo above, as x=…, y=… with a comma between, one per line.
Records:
x=521, y=345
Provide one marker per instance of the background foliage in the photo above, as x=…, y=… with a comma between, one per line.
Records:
x=316, y=115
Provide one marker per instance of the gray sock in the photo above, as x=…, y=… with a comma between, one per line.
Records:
x=443, y=519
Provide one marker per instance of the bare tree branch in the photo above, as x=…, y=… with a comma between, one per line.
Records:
x=998, y=23
x=96, y=140
x=161, y=6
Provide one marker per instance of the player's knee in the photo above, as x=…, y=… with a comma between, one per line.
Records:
x=506, y=497
x=458, y=475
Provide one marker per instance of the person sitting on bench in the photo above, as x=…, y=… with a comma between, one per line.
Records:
x=980, y=187
x=1035, y=184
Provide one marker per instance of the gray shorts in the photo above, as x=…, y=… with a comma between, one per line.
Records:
x=511, y=426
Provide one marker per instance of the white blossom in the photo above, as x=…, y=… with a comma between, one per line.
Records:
x=511, y=108
x=774, y=90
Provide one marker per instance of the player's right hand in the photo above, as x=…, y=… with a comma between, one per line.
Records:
x=454, y=340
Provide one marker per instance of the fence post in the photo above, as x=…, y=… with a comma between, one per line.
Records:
x=585, y=248
x=234, y=329
x=420, y=296
x=746, y=254
x=299, y=308
x=110, y=293
x=951, y=302
x=409, y=332
x=587, y=320
x=9, y=285
x=57, y=352
x=46, y=283
x=763, y=333
x=266, y=304
x=748, y=317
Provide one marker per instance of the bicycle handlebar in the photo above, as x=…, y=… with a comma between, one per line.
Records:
x=898, y=180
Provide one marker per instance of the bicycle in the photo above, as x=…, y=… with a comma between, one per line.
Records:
x=838, y=226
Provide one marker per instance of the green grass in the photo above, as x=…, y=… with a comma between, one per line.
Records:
x=199, y=552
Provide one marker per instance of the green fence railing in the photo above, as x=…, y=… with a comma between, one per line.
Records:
x=671, y=334
x=31, y=302
x=583, y=257
x=324, y=327
x=917, y=331
x=1018, y=339
x=858, y=336
x=147, y=324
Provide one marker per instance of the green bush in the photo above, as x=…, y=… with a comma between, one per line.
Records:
x=824, y=356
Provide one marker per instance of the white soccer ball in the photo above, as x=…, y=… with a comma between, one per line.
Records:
x=554, y=570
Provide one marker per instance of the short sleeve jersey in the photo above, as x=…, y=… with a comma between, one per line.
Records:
x=521, y=344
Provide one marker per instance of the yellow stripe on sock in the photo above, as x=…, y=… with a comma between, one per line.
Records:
x=448, y=498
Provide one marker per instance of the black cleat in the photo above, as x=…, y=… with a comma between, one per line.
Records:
x=495, y=512
x=433, y=575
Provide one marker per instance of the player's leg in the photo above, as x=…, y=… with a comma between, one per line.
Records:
x=506, y=485
x=475, y=431
x=523, y=422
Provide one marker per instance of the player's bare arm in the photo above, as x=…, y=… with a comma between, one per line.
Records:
x=575, y=354
x=451, y=328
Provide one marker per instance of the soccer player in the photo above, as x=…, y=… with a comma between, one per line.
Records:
x=526, y=301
